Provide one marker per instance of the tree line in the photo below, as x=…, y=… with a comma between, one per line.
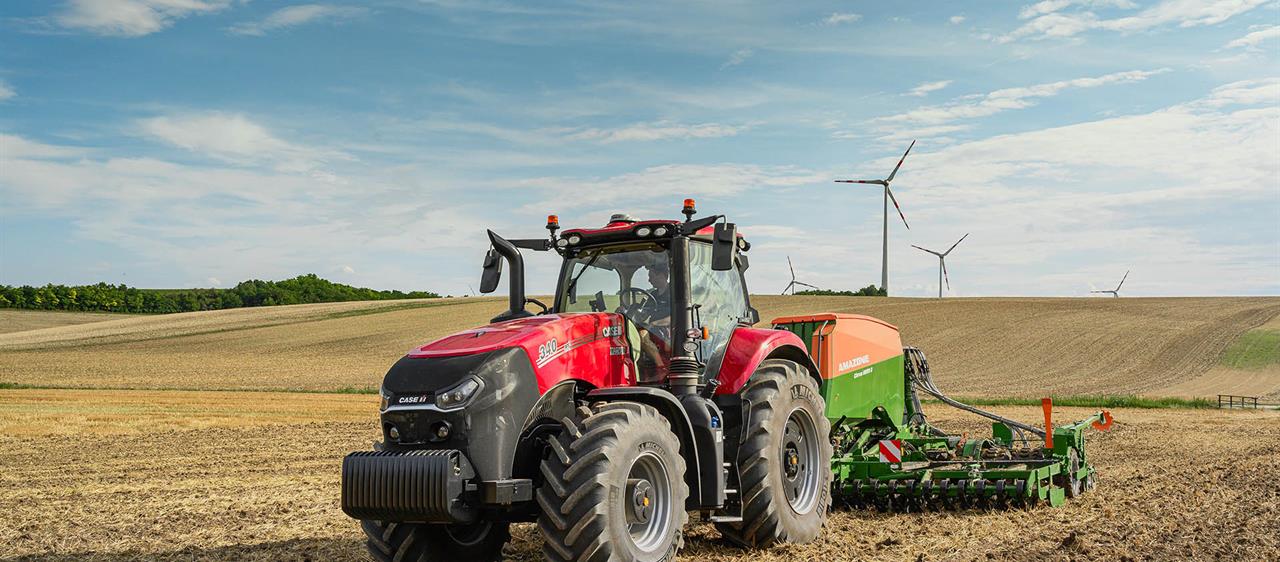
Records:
x=104, y=297
x=868, y=291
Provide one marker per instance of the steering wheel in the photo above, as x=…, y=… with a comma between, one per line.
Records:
x=638, y=303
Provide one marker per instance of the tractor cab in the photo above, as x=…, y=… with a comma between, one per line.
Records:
x=679, y=286
x=628, y=267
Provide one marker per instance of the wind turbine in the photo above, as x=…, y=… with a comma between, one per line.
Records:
x=888, y=196
x=942, y=262
x=1116, y=292
x=792, y=285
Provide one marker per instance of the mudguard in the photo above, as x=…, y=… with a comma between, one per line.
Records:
x=748, y=347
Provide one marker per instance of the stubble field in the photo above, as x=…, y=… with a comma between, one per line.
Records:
x=261, y=483
x=218, y=473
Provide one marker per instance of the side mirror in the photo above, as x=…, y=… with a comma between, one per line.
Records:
x=492, y=272
x=723, y=244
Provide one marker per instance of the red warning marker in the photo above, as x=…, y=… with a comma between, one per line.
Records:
x=891, y=450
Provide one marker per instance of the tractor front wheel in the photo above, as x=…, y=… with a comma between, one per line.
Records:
x=419, y=542
x=613, y=488
x=784, y=461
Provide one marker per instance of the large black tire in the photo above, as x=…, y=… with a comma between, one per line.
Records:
x=418, y=542
x=772, y=511
x=592, y=475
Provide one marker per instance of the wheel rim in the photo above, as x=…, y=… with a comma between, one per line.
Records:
x=801, y=467
x=647, y=502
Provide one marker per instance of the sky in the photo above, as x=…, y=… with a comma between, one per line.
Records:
x=199, y=143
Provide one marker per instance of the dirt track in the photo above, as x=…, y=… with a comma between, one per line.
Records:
x=978, y=347
x=1177, y=484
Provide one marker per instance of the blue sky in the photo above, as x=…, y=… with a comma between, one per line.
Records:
x=197, y=143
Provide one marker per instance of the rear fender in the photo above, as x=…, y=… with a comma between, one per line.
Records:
x=748, y=347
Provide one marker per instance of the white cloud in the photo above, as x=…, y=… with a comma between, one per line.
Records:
x=738, y=57
x=291, y=16
x=661, y=130
x=214, y=281
x=1254, y=38
x=235, y=138
x=130, y=18
x=1049, y=23
x=1051, y=6
x=984, y=105
x=1123, y=190
x=837, y=18
x=348, y=269
x=230, y=223
x=6, y=91
x=926, y=87
x=956, y=20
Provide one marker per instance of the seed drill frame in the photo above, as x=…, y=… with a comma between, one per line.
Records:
x=889, y=457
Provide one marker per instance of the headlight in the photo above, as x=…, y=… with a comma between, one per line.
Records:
x=643, y=231
x=660, y=231
x=458, y=395
x=574, y=239
x=386, y=400
x=562, y=243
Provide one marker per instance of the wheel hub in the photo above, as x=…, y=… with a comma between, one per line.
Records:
x=791, y=463
x=641, y=493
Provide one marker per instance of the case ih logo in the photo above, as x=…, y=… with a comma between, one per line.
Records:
x=422, y=399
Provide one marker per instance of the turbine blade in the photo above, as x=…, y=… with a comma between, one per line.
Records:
x=784, y=291
x=1126, y=276
x=904, y=157
x=793, y=269
x=926, y=250
x=806, y=285
x=953, y=246
x=873, y=182
x=944, y=272
x=895, y=206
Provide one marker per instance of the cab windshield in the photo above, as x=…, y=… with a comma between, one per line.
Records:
x=615, y=278
x=633, y=280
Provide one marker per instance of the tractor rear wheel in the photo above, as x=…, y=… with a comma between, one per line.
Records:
x=613, y=488
x=784, y=461
x=419, y=542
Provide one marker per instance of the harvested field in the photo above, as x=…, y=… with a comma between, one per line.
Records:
x=240, y=487
x=12, y=320
x=1023, y=347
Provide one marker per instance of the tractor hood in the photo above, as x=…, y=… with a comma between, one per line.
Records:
x=586, y=346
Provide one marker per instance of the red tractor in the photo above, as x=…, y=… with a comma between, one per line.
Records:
x=641, y=395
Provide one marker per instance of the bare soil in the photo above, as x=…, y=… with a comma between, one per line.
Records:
x=1176, y=485
x=12, y=320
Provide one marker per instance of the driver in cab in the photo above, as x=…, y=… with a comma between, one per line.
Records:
x=655, y=329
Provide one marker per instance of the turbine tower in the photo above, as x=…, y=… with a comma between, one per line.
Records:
x=792, y=285
x=888, y=196
x=942, y=263
x=1115, y=292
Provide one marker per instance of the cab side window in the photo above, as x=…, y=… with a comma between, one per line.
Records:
x=722, y=303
